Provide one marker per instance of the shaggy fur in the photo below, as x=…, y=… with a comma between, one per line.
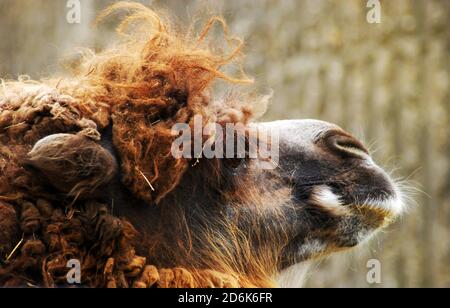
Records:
x=87, y=173
x=153, y=78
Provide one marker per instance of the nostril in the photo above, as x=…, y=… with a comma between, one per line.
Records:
x=347, y=145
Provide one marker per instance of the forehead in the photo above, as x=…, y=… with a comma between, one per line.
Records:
x=298, y=132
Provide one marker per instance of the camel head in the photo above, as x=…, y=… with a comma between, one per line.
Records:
x=324, y=195
x=102, y=142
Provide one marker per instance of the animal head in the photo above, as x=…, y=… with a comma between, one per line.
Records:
x=107, y=135
x=326, y=195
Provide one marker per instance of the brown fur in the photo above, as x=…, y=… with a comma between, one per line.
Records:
x=155, y=77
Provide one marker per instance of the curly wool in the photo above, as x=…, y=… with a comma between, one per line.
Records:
x=142, y=88
x=101, y=242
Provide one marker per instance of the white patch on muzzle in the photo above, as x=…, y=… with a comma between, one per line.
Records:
x=324, y=197
x=394, y=205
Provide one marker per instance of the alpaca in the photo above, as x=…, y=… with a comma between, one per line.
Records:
x=87, y=174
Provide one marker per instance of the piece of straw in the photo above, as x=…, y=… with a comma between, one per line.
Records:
x=146, y=179
x=15, y=248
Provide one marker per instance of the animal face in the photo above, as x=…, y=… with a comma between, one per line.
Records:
x=341, y=197
x=325, y=195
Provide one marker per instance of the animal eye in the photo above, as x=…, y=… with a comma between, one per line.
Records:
x=234, y=163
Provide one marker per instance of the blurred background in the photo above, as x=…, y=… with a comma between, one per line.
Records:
x=387, y=83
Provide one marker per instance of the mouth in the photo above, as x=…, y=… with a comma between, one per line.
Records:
x=390, y=208
x=382, y=209
x=340, y=222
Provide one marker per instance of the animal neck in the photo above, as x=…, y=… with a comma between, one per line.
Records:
x=294, y=276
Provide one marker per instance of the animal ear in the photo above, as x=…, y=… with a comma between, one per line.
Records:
x=73, y=164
